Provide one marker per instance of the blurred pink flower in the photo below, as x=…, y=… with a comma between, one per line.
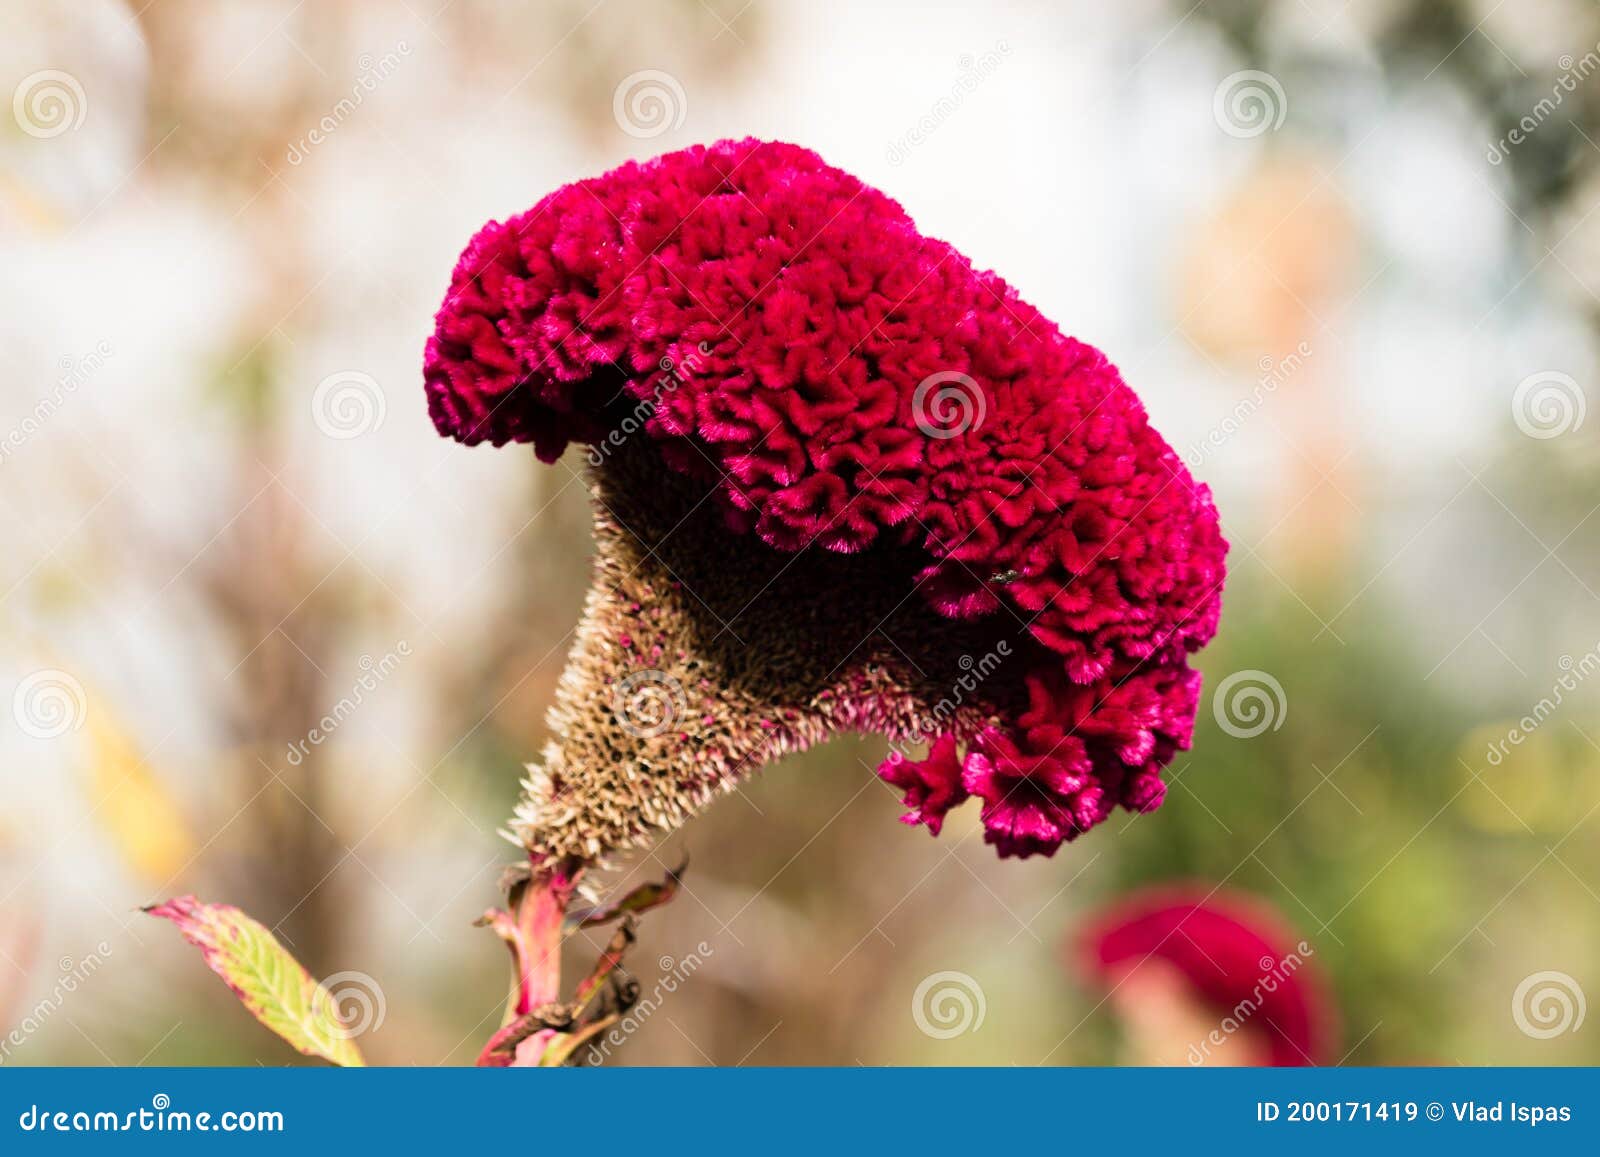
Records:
x=1230, y=952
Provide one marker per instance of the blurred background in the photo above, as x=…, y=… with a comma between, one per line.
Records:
x=1346, y=250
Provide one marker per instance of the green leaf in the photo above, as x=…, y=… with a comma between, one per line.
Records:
x=265, y=977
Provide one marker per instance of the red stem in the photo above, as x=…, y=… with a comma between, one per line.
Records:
x=532, y=931
x=540, y=909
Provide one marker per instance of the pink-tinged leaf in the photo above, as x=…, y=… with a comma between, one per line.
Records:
x=563, y=1048
x=532, y=1030
x=267, y=980
x=641, y=899
x=610, y=961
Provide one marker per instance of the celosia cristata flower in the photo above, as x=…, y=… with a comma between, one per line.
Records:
x=1229, y=957
x=843, y=481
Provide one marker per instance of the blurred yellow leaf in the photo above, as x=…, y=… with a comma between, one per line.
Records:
x=31, y=210
x=133, y=806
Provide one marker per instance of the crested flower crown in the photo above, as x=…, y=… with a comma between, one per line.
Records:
x=843, y=481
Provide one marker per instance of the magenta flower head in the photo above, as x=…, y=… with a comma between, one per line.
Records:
x=843, y=481
x=1230, y=953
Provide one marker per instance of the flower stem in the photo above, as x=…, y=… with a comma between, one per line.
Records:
x=540, y=1030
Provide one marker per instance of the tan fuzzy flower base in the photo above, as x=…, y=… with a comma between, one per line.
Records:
x=704, y=654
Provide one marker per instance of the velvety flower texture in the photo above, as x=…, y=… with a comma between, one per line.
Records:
x=836, y=381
